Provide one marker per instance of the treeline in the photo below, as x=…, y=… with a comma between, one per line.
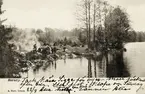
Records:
x=136, y=36
x=64, y=37
x=74, y=37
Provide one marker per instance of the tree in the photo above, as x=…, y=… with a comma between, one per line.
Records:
x=85, y=17
x=117, y=26
x=39, y=31
x=92, y=16
x=82, y=38
x=8, y=64
x=132, y=36
x=94, y=24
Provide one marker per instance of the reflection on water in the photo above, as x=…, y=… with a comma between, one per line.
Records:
x=78, y=67
x=89, y=68
x=129, y=63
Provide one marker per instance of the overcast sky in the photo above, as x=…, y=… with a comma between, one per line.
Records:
x=61, y=13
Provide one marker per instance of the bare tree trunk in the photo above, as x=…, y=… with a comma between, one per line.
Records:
x=94, y=20
x=86, y=15
x=99, y=12
x=105, y=38
x=89, y=22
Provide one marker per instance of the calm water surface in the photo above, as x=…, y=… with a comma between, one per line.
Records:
x=134, y=65
x=78, y=67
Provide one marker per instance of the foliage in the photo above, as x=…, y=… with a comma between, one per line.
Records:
x=116, y=27
x=136, y=36
x=59, y=36
x=8, y=64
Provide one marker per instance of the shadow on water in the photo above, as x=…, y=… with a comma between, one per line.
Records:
x=89, y=68
x=85, y=66
x=96, y=68
x=36, y=70
x=116, y=67
x=95, y=72
x=47, y=65
x=55, y=66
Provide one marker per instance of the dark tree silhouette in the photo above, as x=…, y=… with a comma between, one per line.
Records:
x=8, y=65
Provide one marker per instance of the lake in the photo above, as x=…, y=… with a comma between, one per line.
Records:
x=134, y=65
x=78, y=67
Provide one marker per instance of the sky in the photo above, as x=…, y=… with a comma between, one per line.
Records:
x=61, y=13
x=40, y=13
x=135, y=10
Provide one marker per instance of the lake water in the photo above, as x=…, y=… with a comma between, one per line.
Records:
x=135, y=58
x=78, y=67
x=134, y=65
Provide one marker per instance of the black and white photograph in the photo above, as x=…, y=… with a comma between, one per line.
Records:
x=75, y=38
